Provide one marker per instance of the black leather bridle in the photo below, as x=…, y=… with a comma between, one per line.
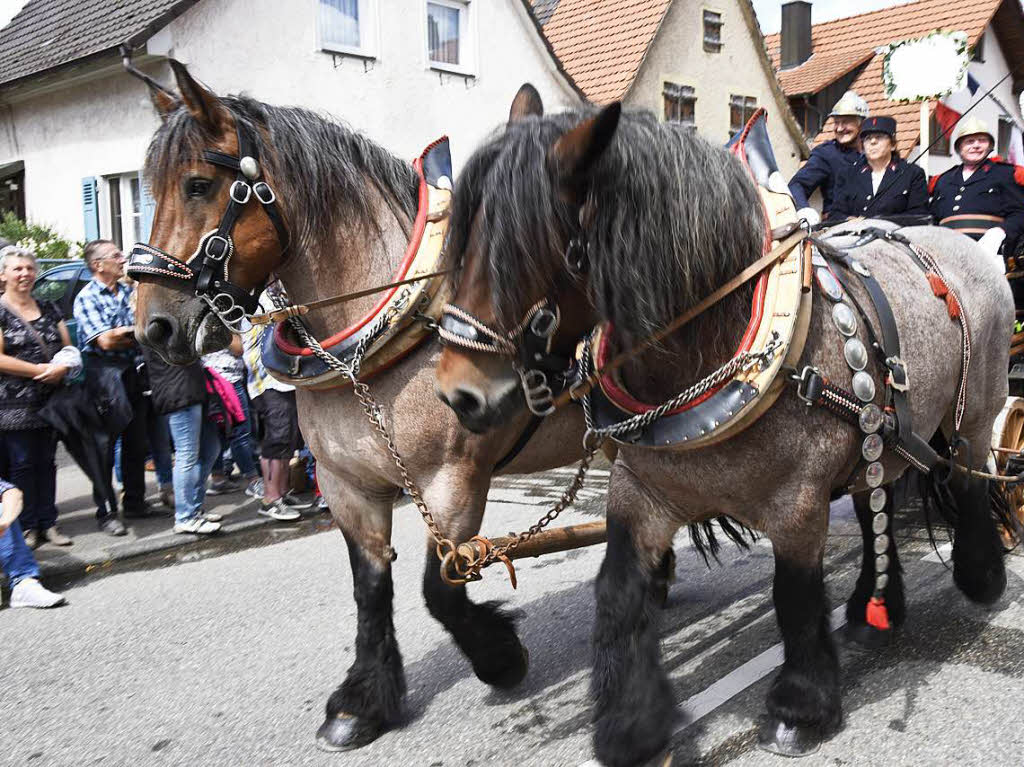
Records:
x=205, y=273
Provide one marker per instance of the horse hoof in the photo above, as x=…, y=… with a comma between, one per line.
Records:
x=512, y=674
x=777, y=737
x=867, y=636
x=344, y=732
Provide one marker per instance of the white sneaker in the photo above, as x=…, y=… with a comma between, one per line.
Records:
x=29, y=592
x=278, y=510
x=198, y=525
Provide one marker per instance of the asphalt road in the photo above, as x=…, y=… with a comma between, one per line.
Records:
x=227, y=658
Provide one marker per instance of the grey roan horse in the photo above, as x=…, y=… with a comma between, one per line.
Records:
x=666, y=219
x=348, y=206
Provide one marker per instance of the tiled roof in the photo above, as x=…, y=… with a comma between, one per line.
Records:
x=840, y=46
x=601, y=43
x=49, y=33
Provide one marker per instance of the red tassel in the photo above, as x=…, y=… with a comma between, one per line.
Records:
x=952, y=306
x=878, y=615
x=938, y=285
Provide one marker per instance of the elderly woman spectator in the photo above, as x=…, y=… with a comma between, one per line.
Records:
x=35, y=356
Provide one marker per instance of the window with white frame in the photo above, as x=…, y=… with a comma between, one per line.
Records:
x=347, y=26
x=123, y=222
x=448, y=32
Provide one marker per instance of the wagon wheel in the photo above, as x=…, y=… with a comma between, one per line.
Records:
x=1008, y=441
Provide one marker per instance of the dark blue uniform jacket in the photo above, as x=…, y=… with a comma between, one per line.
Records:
x=994, y=189
x=826, y=164
x=901, y=192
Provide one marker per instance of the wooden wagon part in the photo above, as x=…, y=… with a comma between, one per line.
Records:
x=1008, y=441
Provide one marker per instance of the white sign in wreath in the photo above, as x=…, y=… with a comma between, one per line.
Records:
x=925, y=68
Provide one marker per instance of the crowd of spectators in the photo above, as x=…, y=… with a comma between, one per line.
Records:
x=118, y=407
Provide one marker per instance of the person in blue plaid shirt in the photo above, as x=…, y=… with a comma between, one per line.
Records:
x=16, y=558
x=106, y=334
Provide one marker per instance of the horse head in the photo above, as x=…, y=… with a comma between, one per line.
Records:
x=217, y=233
x=518, y=248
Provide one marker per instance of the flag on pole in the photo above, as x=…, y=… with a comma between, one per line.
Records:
x=950, y=109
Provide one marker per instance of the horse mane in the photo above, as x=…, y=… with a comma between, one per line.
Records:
x=675, y=217
x=321, y=168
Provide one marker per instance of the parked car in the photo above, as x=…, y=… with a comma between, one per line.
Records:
x=61, y=284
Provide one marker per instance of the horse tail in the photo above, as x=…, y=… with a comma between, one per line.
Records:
x=704, y=539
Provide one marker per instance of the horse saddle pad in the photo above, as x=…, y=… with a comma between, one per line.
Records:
x=780, y=316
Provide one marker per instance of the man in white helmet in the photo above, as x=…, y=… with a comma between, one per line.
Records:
x=982, y=197
x=830, y=161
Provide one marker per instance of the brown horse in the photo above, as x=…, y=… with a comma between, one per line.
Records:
x=617, y=218
x=347, y=206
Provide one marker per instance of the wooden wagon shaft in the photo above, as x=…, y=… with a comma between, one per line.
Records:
x=549, y=541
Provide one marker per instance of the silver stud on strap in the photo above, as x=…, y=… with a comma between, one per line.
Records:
x=249, y=167
x=872, y=447
x=863, y=386
x=855, y=353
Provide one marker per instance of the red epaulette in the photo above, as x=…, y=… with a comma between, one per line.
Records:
x=1018, y=170
x=935, y=179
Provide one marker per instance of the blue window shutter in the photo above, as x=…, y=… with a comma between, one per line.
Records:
x=90, y=208
x=148, y=208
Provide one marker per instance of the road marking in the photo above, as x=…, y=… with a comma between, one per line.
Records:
x=941, y=555
x=756, y=669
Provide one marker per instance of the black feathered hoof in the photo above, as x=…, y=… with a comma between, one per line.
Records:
x=777, y=737
x=345, y=732
x=867, y=637
x=507, y=675
x=983, y=585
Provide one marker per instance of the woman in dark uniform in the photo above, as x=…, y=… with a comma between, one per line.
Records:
x=883, y=185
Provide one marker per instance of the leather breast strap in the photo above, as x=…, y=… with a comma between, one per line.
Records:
x=888, y=346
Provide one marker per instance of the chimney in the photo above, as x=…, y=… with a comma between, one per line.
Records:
x=796, y=33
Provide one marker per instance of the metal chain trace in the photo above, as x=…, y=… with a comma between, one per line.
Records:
x=465, y=568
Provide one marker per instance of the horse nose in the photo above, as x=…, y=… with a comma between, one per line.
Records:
x=159, y=330
x=466, y=404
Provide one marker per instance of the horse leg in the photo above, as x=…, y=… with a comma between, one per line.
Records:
x=634, y=706
x=804, y=705
x=858, y=630
x=369, y=701
x=484, y=632
x=978, y=567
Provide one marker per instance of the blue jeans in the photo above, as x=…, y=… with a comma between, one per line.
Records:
x=160, y=448
x=240, y=441
x=196, y=446
x=27, y=460
x=16, y=558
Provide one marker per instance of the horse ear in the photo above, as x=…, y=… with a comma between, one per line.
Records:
x=202, y=103
x=526, y=103
x=164, y=101
x=572, y=157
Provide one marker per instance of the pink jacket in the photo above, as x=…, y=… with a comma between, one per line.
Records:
x=215, y=384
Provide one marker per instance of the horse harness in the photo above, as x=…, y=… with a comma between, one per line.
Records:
x=206, y=272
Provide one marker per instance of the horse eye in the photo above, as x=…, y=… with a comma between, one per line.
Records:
x=198, y=187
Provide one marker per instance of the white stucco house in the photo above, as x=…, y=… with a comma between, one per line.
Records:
x=74, y=126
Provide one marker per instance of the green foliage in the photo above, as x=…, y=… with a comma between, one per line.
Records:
x=38, y=238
